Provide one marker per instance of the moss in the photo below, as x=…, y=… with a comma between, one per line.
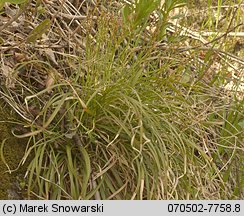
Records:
x=11, y=184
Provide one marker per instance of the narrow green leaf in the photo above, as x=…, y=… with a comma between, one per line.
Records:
x=14, y=1
x=1, y=5
x=39, y=30
x=1, y=39
x=2, y=155
x=126, y=13
x=241, y=124
x=87, y=171
x=72, y=173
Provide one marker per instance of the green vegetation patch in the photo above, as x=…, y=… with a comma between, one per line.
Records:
x=124, y=101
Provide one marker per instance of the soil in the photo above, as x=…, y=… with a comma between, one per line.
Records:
x=12, y=182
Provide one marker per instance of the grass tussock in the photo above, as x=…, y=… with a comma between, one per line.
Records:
x=127, y=113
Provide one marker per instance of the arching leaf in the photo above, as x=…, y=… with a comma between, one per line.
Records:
x=39, y=30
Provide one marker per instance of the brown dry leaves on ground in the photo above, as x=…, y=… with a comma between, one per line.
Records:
x=42, y=42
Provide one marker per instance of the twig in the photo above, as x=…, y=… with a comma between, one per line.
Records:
x=77, y=17
x=231, y=34
x=20, y=12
